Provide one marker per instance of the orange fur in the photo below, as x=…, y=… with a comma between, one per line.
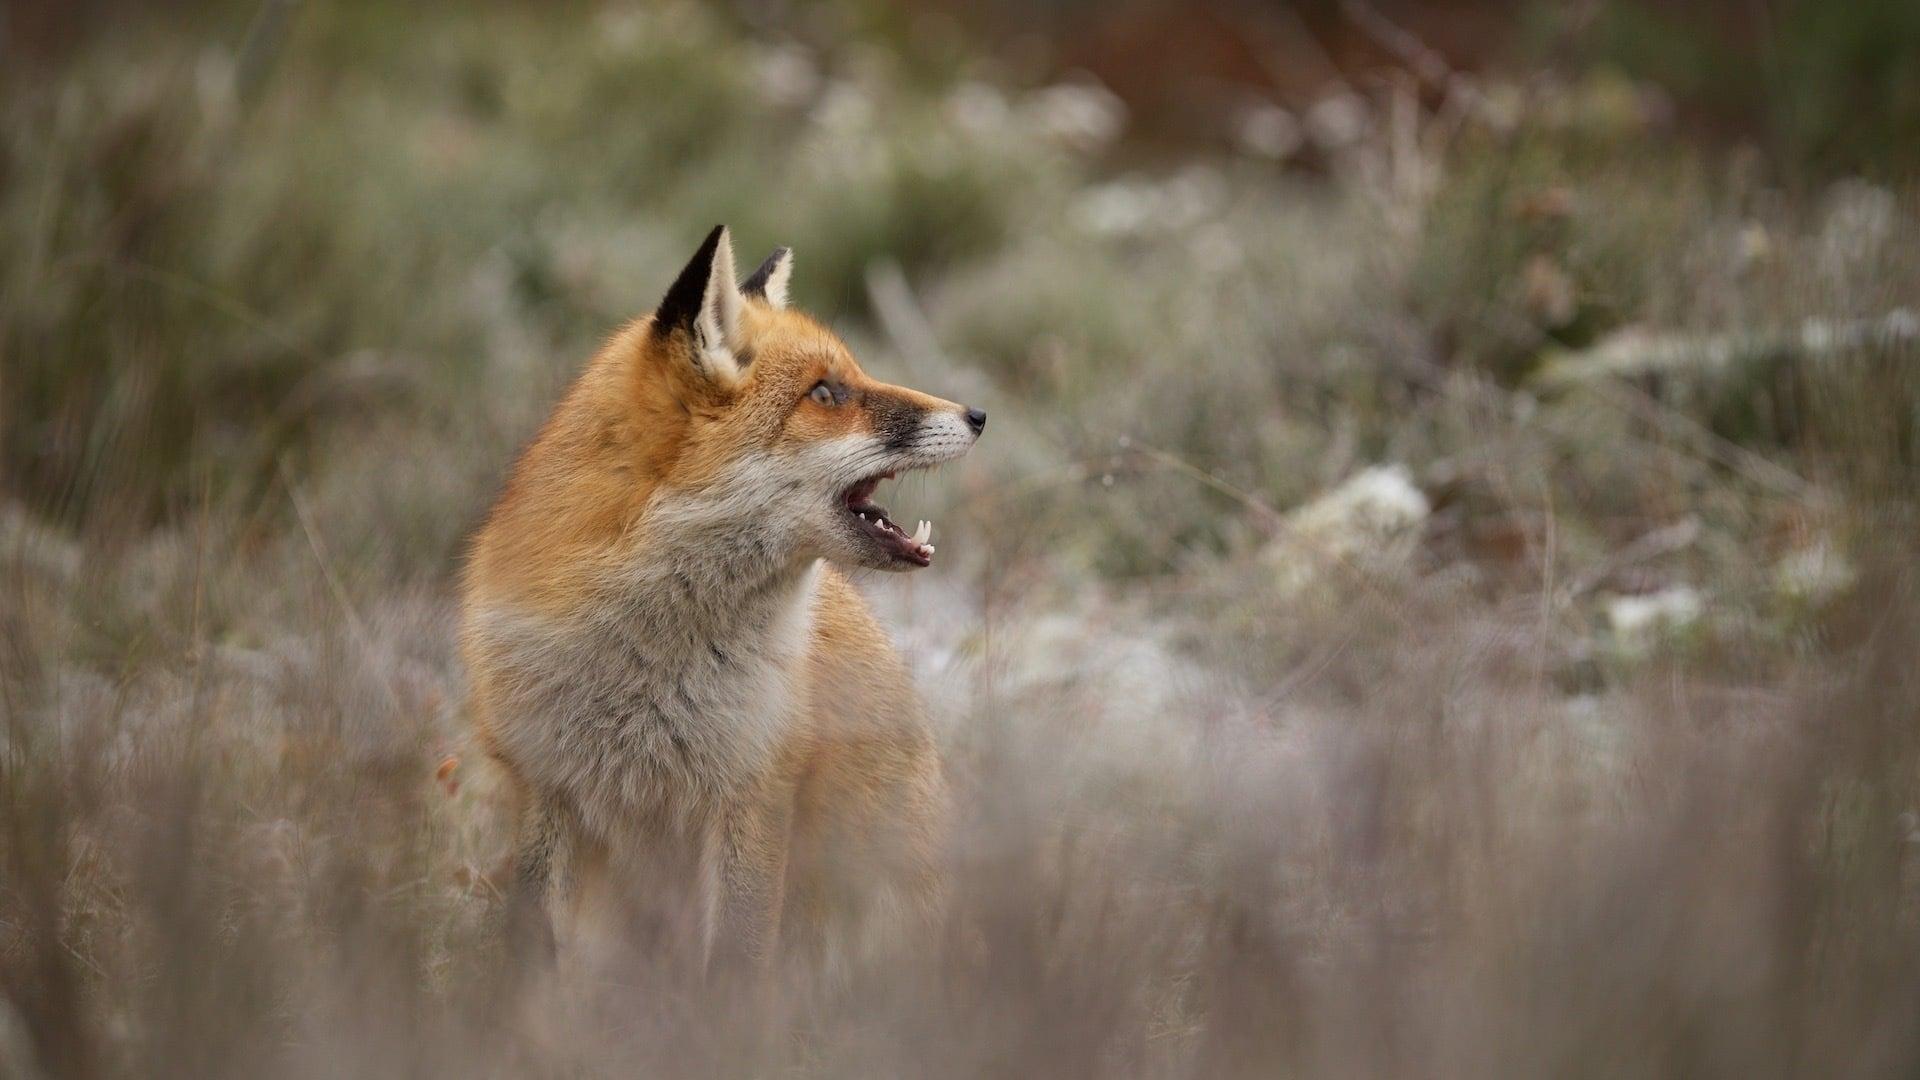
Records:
x=824, y=812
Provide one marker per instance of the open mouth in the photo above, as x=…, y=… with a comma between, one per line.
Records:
x=872, y=522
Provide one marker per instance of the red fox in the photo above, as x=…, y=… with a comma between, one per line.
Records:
x=710, y=738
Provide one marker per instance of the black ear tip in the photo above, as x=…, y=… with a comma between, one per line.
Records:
x=703, y=255
x=756, y=283
x=683, y=298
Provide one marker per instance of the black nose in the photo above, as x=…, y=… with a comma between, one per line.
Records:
x=977, y=420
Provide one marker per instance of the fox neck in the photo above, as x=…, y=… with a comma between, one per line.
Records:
x=711, y=569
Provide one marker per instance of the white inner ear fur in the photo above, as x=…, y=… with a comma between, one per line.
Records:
x=777, y=281
x=717, y=329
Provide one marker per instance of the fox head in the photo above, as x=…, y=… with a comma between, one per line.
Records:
x=780, y=437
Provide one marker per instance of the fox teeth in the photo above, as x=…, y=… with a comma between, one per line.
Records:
x=923, y=532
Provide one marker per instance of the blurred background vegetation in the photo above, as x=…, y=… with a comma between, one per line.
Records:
x=1515, y=405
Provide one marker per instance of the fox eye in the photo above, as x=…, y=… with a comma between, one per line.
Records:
x=822, y=394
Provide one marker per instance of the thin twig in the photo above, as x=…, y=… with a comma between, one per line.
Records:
x=1181, y=465
x=1281, y=522
x=335, y=586
x=901, y=315
x=207, y=294
x=1651, y=545
x=1425, y=62
x=1761, y=470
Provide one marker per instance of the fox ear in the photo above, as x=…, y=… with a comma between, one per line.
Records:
x=769, y=282
x=704, y=303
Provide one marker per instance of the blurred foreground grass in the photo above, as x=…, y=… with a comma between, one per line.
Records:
x=1448, y=614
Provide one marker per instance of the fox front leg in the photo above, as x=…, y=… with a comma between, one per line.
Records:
x=753, y=873
x=541, y=877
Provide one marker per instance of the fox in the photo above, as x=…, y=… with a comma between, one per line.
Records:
x=711, y=745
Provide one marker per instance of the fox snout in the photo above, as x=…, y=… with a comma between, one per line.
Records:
x=905, y=430
x=922, y=428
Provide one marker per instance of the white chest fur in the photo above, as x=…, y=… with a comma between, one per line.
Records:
x=661, y=702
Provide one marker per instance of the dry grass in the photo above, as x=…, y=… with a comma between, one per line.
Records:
x=1345, y=668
